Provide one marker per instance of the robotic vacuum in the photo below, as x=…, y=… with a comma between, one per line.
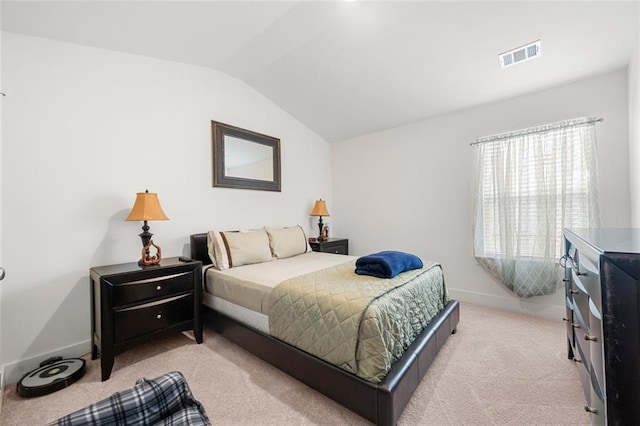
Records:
x=52, y=375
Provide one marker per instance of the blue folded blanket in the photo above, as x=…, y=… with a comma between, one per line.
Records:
x=387, y=264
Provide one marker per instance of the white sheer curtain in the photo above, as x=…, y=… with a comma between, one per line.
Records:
x=530, y=185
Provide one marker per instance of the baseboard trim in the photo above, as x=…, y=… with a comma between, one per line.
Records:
x=13, y=372
x=1, y=387
x=544, y=310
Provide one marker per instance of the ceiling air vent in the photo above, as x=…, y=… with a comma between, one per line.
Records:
x=520, y=54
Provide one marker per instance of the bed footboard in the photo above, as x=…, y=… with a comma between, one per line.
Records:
x=382, y=404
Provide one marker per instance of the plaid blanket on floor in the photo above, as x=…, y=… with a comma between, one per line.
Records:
x=166, y=400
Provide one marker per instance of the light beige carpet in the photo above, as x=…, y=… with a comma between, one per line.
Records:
x=500, y=368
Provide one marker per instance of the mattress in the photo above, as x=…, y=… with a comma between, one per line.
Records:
x=249, y=286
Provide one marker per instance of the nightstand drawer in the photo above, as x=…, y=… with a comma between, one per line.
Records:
x=335, y=248
x=152, y=288
x=332, y=245
x=141, y=319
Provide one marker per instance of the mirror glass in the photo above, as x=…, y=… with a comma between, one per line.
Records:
x=244, y=159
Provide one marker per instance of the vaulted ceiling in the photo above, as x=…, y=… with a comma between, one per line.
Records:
x=346, y=69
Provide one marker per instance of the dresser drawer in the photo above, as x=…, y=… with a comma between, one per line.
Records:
x=584, y=345
x=569, y=319
x=152, y=288
x=138, y=320
x=585, y=376
x=580, y=303
x=595, y=404
x=587, y=276
x=596, y=346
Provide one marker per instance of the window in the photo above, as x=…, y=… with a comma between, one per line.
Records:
x=531, y=184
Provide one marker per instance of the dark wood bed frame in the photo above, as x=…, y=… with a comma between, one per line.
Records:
x=382, y=403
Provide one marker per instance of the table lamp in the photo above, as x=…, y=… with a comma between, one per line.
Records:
x=319, y=209
x=147, y=207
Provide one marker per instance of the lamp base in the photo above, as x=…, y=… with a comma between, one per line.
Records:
x=320, y=229
x=324, y=235
x=149, y=258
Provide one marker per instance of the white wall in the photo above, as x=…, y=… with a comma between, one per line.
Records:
x=84, y=130
x=1, y=262
x=634, y=129
x=410, y=188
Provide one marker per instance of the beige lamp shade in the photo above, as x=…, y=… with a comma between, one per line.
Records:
x=146, y=207
x=319, y=209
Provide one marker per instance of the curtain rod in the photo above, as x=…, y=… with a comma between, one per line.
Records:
x=533, y=130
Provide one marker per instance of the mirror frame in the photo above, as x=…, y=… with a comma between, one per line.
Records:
x=220, y=179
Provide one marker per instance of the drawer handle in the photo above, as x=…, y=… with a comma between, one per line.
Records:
x=159, y=288
x=589, y=337
x=572, y=291
x=563, y=261
x=159, y=316
x=590, y=410
x=575, y=325
x=565, y=319
x=576, y=360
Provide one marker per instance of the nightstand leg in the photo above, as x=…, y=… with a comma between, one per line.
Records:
x=197, y=306
x=197, y=331
x=106, y=365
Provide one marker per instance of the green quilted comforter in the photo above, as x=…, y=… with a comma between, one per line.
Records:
x=359, y=323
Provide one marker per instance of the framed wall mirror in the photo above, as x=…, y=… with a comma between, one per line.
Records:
x=244, y=159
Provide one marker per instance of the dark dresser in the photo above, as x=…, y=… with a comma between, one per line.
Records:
x=131, y=304
x=602, y=294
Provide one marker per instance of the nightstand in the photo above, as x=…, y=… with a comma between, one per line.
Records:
x=331, y=245
x=132, y=304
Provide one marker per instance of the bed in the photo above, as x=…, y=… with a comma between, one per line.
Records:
x=242, y=316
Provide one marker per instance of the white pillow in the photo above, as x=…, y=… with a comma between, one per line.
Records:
x=231, y=249
x=287, y=242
